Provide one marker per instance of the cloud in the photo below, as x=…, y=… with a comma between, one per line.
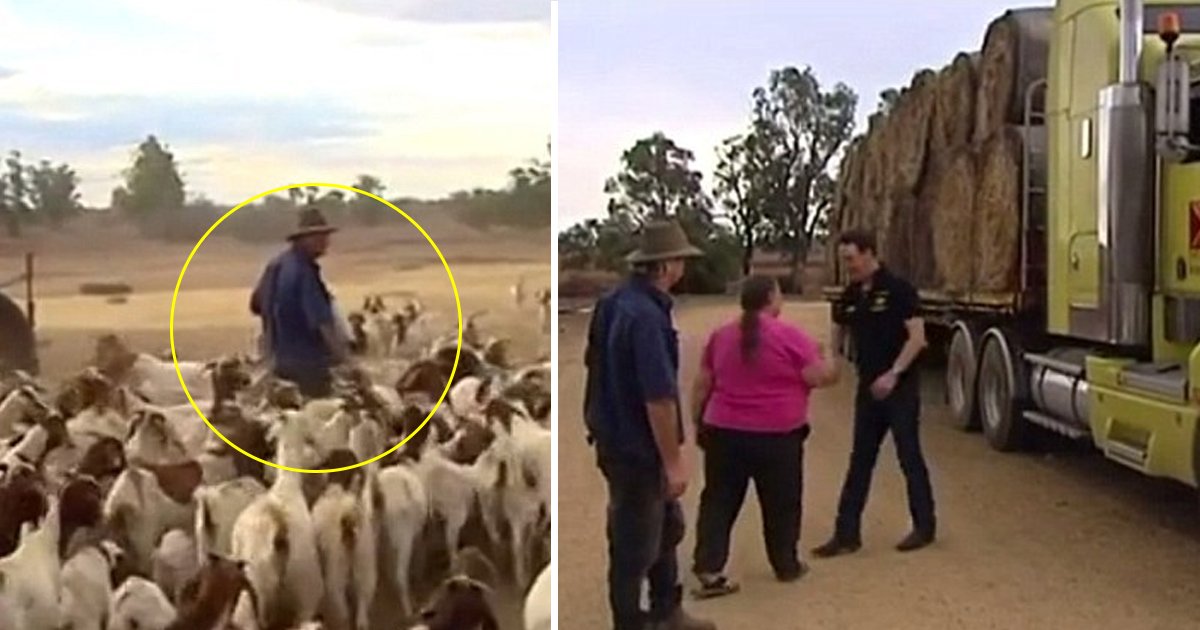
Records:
x=7, y=72
x=444, y=11
x=124, y=120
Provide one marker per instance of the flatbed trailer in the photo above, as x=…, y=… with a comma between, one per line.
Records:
x=1100, y=339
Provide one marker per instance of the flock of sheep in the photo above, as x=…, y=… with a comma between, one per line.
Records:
x=121, y=510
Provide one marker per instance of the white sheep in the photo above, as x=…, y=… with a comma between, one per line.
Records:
x=275, y=537
x=367, y=440
x=217, y=510
x=157, y=381
x=406, y=507
x=347, y=532
x=17, y=408
x=138, y=509
x=12, y=616
x=537, y=602
x=517, y=468
x=452, y=489
x=140, y=604
x=153, y=440
x=174, y=562
x=32, y=574
x=87, y=586
x=470, y=396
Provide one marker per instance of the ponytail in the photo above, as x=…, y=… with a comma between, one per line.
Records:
x=756, y=296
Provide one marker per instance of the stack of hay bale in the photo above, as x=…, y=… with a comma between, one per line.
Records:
x=938, y=177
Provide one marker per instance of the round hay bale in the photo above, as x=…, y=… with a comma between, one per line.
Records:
x=105, y=288
x=898, y=240
x=874, y=171
x=909, y=126
x=954, y=104
x=998, y=208
x=948, y=203
x=924, y=263
x=1016, y=51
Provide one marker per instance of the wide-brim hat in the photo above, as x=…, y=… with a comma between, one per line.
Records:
x=663, y=240
x=311, y=222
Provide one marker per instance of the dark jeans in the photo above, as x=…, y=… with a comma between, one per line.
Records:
x=776, y=464
x=644, y=528
x=313, y=381
x=898, y=413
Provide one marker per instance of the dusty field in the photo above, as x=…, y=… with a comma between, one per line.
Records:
x=212, y=315
x=1059, y=539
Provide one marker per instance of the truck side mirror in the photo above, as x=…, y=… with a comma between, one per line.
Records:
x=1173, y=115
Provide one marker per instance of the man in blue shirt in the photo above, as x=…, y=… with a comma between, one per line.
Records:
x=301, y=340
x=631, y=406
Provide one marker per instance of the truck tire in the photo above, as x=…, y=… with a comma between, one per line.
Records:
x=962, y=364
x=18, y=349
x=1002, y=391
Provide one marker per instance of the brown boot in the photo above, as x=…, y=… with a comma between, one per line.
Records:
x=680, y=620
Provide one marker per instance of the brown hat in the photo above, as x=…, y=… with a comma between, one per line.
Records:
x=663, y=240
x=311, y=222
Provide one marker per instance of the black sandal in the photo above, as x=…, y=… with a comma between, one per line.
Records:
x=715, y=586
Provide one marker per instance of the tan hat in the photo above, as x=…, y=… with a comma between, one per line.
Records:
x=663, y=240
x=311, y=222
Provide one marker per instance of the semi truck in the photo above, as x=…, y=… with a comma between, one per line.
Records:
x=1098, y=338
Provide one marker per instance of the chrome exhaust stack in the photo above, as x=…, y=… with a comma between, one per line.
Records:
x=1125, y=221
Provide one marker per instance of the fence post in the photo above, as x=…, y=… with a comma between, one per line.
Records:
x=29, y=288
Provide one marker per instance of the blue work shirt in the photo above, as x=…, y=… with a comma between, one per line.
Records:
x=293, y=303
x=632, y=358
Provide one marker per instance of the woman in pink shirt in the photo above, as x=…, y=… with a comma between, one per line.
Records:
x=750, y=402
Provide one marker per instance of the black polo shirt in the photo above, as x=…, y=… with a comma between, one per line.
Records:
x=874, y=317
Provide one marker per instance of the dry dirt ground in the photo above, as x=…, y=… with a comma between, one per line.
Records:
x=1058, y=538
x=212, y=314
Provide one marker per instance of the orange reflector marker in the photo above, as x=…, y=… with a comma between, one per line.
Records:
x=1168, y=27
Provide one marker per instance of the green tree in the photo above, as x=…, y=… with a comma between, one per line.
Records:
x=802, y=128
x=53, y=192
x=17, y=193
x=365, y=209
x=153, y=188
x=657, y=181
x=743, y=188
x=12, y=224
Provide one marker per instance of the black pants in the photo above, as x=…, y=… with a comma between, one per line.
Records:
x=313, y=381
x=873, y=418
x=644, y=529
x=776, y=464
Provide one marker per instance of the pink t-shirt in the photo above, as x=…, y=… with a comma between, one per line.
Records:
x=766, y=394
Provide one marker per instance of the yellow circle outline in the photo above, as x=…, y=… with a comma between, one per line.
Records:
x=457, y=307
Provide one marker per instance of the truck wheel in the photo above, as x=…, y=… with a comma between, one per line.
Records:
x=1002, y=391
x=962, y=361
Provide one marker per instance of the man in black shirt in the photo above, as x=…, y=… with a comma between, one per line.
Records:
x=879, y=310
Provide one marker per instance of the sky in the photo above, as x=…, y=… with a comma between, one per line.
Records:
x=432, y=96
x=628, y=68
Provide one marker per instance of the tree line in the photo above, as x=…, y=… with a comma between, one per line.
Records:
x=36, y=193
x=153, y=196
x=772, y=187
